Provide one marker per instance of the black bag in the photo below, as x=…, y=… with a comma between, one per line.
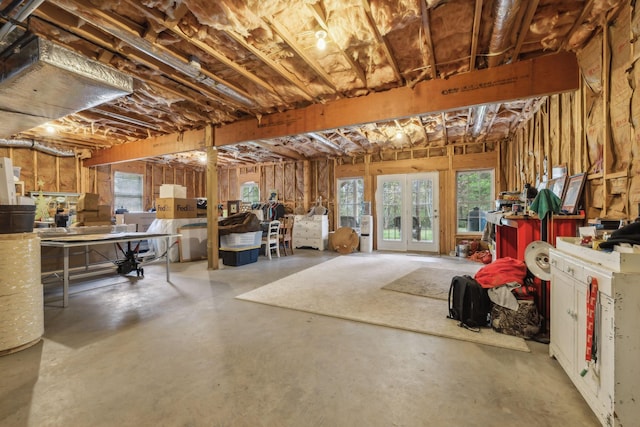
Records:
x=469, y=303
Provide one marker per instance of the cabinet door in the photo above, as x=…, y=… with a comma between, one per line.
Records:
x=563, y=319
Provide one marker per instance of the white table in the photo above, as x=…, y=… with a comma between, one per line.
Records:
x=70, y=241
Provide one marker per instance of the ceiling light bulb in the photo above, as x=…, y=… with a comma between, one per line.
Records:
x=399, y=134
x=321, y=36
x=50, y=129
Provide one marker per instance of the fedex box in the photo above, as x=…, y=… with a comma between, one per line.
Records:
x=172, y=208
x=172, y=190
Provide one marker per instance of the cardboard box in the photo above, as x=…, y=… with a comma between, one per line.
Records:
x=87, y=216
x=140, y=220
x=173, y=191
x=172, y=208
x=104, y=212
x=87, y=202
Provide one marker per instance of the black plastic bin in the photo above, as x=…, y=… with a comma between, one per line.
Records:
x=17, y=218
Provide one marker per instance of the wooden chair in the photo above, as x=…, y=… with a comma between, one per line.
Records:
x=286, y=234
x=271, y=240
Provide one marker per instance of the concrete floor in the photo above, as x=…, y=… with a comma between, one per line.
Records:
x=186, y=353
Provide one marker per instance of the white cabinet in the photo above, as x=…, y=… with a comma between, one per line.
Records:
x=311, y=231
x=607, y=383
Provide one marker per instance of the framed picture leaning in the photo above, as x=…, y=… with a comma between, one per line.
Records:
x=573, y=193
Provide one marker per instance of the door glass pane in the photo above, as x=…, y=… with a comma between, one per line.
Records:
x=422, y=210
x=392, y=211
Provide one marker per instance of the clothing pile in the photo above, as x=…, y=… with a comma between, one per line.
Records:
x=514, y=311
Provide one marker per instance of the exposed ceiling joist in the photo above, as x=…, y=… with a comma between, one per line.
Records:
x=321, y=19
x=199, y=63
x=524, y=79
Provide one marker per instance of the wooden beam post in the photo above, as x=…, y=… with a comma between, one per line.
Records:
x=213, y=257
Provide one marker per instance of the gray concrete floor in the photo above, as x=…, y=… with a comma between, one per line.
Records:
x=145, y=352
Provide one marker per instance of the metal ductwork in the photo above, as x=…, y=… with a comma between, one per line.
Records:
x=41, y=81
x=35, y=145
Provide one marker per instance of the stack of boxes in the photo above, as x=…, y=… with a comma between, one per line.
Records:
x=173, y=203
x=89, y=212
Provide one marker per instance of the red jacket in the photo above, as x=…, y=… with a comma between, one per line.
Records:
x=501, y=271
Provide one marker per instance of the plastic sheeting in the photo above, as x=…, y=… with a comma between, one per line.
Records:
x=169, y=226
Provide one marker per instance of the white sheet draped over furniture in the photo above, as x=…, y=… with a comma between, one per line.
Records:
x=169, y=226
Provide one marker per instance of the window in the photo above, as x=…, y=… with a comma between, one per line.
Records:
x=475, y=197
x=350, y=201
x=250, y=192
x=127, y=189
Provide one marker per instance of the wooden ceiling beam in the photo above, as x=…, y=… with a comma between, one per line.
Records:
x=224, y=60
x=151, y=147
x=523, y=79
x=477, y=19
x=271, y=64
x=426, y=26
x=532, y=6
x=585, y=11
x=382, y=41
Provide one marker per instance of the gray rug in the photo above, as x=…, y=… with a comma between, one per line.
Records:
x=350, y=287
x=426, y=282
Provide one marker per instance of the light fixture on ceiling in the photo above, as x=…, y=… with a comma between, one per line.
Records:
x=321, y=39
x=399, y=132
x=50, y=129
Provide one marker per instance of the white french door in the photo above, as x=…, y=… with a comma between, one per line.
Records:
x=407, y=212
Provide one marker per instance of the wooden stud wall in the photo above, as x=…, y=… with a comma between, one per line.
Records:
x=595, y=129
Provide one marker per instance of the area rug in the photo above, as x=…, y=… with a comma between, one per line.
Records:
x=428, y=282
x=349, y=287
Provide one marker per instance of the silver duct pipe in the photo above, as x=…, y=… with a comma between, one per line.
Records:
x=22, y=14
x=191, y=69
x=35, y=145
x=478, y=121
x=506, y=11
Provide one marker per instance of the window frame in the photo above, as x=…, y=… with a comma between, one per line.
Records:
x=488, y=204
x=355, y=206
x=118, y=196
x=252, y=184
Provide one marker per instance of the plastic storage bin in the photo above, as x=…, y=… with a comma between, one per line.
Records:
x=251, y=238
x=237, y=257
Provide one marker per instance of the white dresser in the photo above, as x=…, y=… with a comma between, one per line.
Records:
x=311, y=231
x=610, y=384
